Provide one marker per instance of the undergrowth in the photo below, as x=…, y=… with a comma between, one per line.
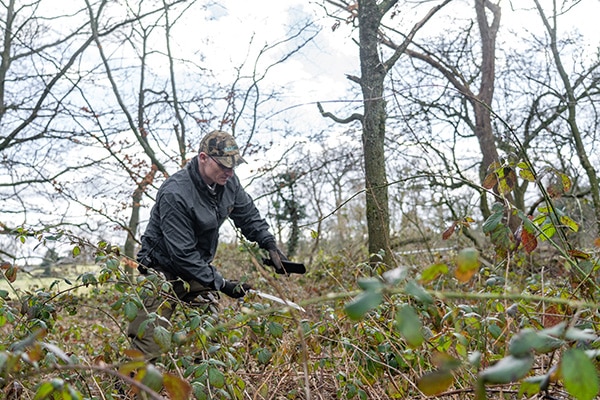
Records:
x=481, y=322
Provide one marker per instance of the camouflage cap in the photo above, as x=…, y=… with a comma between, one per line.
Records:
x=222, y=147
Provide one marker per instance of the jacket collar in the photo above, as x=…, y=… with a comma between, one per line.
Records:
x=194, y=172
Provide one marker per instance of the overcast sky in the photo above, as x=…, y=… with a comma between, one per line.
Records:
x=320, y=73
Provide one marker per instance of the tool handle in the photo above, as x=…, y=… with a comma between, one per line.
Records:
x=289, y=266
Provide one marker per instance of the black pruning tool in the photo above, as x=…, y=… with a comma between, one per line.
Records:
x=289, y=267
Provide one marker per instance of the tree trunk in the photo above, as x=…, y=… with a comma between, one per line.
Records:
x=483, y=101
x=373, y=136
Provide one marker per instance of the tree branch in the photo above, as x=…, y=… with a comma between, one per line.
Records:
x=353, y=117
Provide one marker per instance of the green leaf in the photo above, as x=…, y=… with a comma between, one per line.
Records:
x=569, y=223
x=579, y=375
x=494, y=330
x=152, y=378
x=509, y=369
x=275, y=329
x=363, y=303
x=414, y=289
x=556, y=330
x=71, y=394
x=370, y=284
x=548, y=230
x=162, y=337
x=527, y=223
x=216, y=377
x=264, y=355
x=131, y=310
x=475, y=359
x=432, y=272
x=409, y=325
x=76, y=251
x=445, y=362
x=580, y=335
x=531, y=386
x=501, y=237
x=492, y=222
x=43, y=391
x=213, y=349
x=57, y=351
x=529, y=340
x=526, y=173
x=435, y=382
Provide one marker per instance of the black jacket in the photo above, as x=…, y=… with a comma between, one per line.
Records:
x=183, y=231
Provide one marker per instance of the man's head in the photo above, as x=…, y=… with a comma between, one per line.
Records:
x=221, y=146
x=218, y=156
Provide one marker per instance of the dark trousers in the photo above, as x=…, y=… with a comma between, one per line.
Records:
x=164, y=305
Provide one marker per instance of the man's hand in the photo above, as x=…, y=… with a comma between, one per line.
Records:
x=235, y=289
x=276, y=257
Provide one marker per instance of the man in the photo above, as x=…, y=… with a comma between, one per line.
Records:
x=183, y=231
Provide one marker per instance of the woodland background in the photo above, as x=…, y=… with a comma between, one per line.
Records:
x=434, y=166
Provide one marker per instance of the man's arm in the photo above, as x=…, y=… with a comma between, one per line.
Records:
x=247, y=218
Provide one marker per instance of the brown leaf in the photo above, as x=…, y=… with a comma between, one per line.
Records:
x=582, y=255
x=134, y=354
x=129, y=263
x=11, y=273
x=448, y=232
x=177, y=388
x=509, y=180
x=490, y=180
x=566, y=182
x=528, y=240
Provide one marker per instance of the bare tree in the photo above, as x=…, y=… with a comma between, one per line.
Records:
x=374, y=70
x=99, y=111
x=39, y=68
x=576, y=91
x=451, y=91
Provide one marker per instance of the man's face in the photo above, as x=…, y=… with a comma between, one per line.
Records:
x=212, y=171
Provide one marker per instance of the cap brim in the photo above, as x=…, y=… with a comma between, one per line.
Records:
x=230, y=161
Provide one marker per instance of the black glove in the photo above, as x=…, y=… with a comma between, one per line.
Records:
x=276, y=257
x=235, y=289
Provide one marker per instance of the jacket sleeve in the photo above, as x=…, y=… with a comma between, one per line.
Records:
x=247, y=218
x=180, y=242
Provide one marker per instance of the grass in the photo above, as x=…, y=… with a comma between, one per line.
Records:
x=62, y=277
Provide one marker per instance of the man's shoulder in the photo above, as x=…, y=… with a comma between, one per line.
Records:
x=178, y=182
